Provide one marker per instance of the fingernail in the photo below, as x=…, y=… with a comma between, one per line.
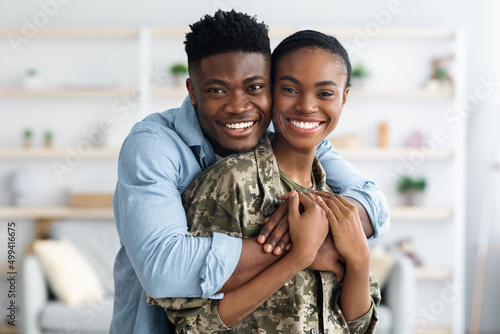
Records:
x=293, y=193
x=319, y=199
x=260, y=238
x=277, y=250
x=267, y=248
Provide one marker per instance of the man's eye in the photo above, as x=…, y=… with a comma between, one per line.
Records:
x=289, y=90
x=215, y=90
x=255, y=87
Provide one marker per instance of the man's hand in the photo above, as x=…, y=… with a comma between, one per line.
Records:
x=329, y=259
x=275, y=235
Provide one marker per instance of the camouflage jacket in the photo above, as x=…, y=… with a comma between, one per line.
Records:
x=233, y=197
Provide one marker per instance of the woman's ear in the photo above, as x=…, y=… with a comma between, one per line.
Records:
x=190, y=88
x=344, y=97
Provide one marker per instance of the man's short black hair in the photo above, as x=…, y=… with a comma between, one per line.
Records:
x=226, y=32
x=310, y=38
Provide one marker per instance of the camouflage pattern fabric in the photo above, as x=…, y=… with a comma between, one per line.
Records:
x=234, y=197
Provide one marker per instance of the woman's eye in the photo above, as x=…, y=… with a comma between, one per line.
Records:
x=289, y=90
x=325, y=94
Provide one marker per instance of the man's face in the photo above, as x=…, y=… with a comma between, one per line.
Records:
x=232, y=96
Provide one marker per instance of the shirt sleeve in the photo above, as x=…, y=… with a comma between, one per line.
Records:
x=152, y=226
x=344, y=179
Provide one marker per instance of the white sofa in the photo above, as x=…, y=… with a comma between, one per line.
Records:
x=41, y=313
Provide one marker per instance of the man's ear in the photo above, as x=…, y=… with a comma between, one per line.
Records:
x=190, y=88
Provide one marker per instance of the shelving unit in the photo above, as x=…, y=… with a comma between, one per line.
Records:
x=450, y=217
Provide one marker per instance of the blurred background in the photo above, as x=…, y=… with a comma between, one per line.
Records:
x=421, y=120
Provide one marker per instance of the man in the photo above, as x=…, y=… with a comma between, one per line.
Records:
x=228, y=110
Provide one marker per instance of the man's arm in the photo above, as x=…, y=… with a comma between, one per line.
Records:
x=151, y=222
x=345, y=180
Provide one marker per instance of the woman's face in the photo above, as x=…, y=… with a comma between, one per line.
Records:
x=308, y=96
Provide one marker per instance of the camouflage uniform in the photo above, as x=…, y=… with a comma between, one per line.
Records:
x=233, y=197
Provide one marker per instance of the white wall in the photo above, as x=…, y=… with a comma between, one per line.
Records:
x=479, y=21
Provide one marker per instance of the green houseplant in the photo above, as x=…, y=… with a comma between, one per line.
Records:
x=48, y=136
x=179, y=73
x=411, y=189
x=27, y=136
x=359, y=75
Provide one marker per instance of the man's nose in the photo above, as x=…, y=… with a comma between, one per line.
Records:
x=238, y=104
x=307, y=104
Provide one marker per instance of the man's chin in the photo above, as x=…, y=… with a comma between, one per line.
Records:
x=243, y=147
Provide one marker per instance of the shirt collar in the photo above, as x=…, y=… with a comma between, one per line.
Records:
x=189, y=129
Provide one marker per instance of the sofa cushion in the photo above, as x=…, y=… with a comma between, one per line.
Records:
x=69, y=273
x=385, y=322
x=97, y=240
x=58, y=317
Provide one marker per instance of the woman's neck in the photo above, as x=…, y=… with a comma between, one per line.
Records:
x=296, y=164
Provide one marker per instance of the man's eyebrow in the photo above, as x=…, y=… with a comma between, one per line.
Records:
x=253, y=78
x=217, y=82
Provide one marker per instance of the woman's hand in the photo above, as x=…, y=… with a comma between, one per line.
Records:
x=346, y=229
x=308, y=228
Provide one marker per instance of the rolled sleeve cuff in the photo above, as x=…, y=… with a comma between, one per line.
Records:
x=377, y=212
x=361, y=324
x=220, y=263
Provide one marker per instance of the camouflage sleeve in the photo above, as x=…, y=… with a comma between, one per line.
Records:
x=368, y=322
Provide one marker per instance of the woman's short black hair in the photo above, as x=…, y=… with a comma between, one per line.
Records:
x=310, y=38
x=226, y=32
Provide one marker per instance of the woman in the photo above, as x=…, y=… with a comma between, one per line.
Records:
x=310, y=73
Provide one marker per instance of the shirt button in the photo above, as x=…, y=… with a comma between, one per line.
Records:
x=314, y=331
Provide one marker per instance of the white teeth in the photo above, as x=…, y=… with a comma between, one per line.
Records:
x=305, y=125
x=239, y=126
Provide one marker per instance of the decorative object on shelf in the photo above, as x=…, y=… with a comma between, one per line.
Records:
x=32, y=79
x=359, y=76
x=406, y=246
x=48, y=137
x=179, y=73
x=27, y=137
x=20, y=186
x=412, y=189
x=91, y=200
x=440, y=79
x=383, y=131
x=347, y=141
x=415, y=139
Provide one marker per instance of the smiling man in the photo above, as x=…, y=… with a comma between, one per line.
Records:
x=228, y=110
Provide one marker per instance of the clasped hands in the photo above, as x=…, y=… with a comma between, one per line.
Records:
x=322, y=225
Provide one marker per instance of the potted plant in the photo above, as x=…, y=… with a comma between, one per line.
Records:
x=27, y=136
x=48, y=136
x=32, y=79
x=412, y=189
x=359, y=75
x=179, y=73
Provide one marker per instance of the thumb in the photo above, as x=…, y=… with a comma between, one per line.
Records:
x=293, y=204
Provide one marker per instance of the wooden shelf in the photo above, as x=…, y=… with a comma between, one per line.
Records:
x=126, y=33
x=426, y=273
x=8, y=329
x=375, y=153
x=53, y=212
x=44, y=153
x=433, y=330
x=399, y=93
x=420, y=213
x=63, y=92
x=177, y=92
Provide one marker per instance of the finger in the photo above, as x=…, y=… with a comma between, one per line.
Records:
x=271, y=223
x=346, y=203
x=324, y=194
x=285, y=240
x=285, y=196
x=306, y=201
x=276, y=235
x=289, y=246
x=293, y=204
x=329, y=214
x=332, y=204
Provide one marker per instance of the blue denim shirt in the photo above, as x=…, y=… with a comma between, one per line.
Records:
x=158, y=160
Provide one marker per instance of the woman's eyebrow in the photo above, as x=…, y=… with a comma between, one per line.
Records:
x=289, y=78
x=326, y=83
